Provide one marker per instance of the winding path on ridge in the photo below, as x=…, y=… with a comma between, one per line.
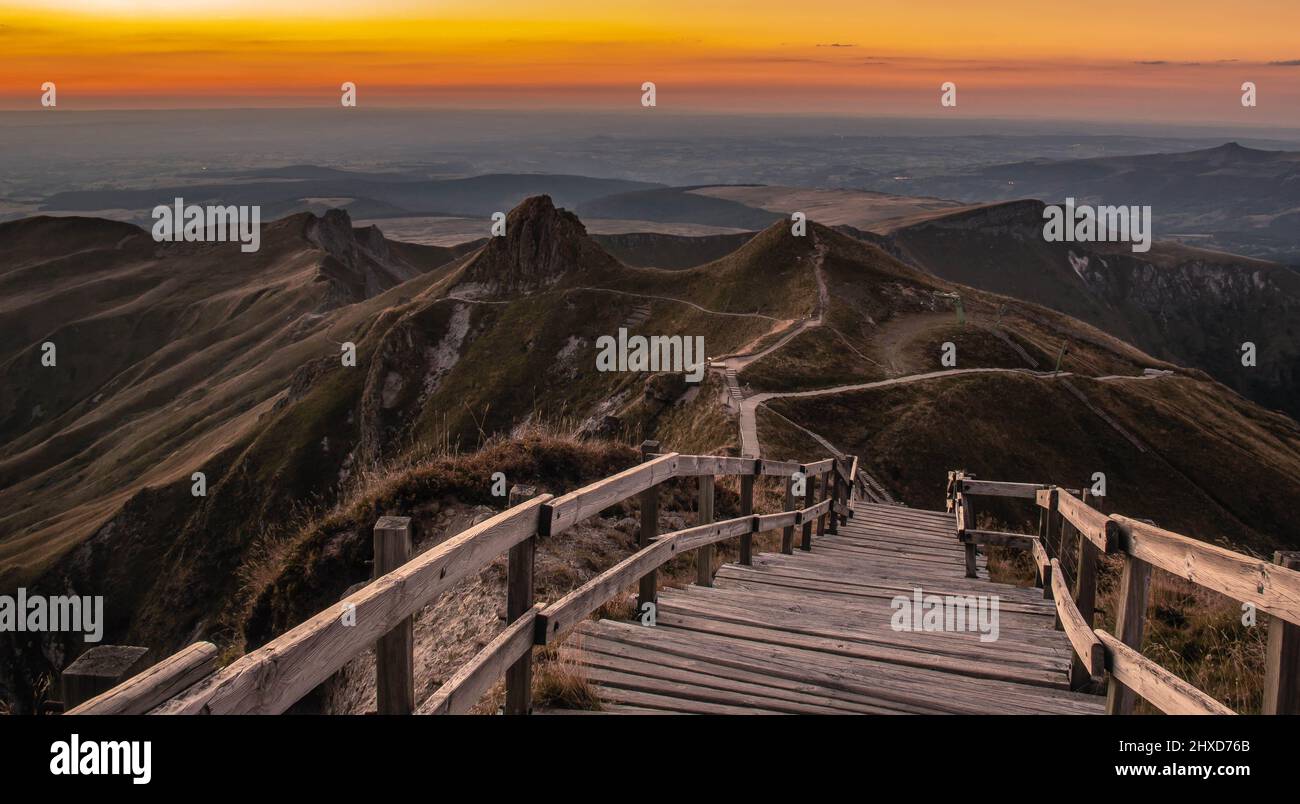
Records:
x=749, y=407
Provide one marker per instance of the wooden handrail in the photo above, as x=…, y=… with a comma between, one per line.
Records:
x=466, y=687
x=1271, y=587
x=558, y=618
x=275, y=676
x=142, y=692
x=1079, y=631
x=1164, y=690
x=571, y=508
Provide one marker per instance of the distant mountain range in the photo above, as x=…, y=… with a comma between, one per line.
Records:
x=177, y=358
x=1229, y=198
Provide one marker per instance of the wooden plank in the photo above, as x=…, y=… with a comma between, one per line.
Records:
x=1091, y=523
x=649, y=583
x=593, y=498
x=778, y=468
x=746, y=510
x=907, y=688
x=395, y=650
x=843, y=625
x=685, y=687
x=519, y=600
x=997, y=488
x=1282, y=656
x=99, y=670
x=467, y=685
x=709, y=533
x=1079, y=631
x=704, y=553
x=1044, y=567
x=142, y=692
x=596, y=647
x=809, y=512
x=1130, y=616
x=1085, y=598
x=766, y=522
x=697, y=465
x=1272, y=588
x=1016, y=541
x=787, y=533
x=819, y=467
x=557, y=618
x=1161, y=688
x=272, y=678
x=895, y=656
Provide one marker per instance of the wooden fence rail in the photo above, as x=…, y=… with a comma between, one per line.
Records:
x=273, y=677
x=1273, y=588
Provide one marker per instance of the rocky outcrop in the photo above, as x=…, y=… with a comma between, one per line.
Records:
x=541, y=245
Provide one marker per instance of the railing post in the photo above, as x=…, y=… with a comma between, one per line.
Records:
x=809, y=497
x=1282, y=657
x=1085, y=597
x=787, y=533
x=968, y=516
x=394, y=652
x=747, y=509
x=1134, y=585
x=1053, y=521
x=519, y=599
x=649, y=528
x=834, y=481
x=704, y=555
x=826, y=493
x=100, y=669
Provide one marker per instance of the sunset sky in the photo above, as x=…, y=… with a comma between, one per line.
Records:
x=1104, y=59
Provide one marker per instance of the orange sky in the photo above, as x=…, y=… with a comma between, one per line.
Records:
x=1168, y=60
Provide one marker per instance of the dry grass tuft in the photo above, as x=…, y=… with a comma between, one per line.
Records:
x=560, y=683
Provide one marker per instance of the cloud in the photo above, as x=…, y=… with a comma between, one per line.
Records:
x=1287, y=63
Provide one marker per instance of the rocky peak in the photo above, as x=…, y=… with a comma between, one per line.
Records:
x=358, y=263
x=541, y=244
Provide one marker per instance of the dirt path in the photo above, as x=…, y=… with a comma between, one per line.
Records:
x=749, y=444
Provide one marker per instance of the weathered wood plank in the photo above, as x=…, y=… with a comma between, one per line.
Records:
x=467, y=685
x=746, y=510
x=1161, y=688
x=143, y=691
x=593, y=498
x=778, y=468
x=997, y=488
x=1272, y=588
x=1044, y=565
x=1016, y=541
x=557, y=618
x=1091, y=523
x=696, y=465
x=704, y=554
x=1130, y=619
x=1282, y=656
x=395, y=651
x=1086, y=645
x=272, y=678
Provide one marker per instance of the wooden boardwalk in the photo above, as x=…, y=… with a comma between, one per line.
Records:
x=810, y=633
x=797, y=631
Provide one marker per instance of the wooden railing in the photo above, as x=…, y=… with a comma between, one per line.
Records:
x=275, y=676
x=1066, y=519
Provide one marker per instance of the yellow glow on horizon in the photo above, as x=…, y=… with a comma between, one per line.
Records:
x=123, y=49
